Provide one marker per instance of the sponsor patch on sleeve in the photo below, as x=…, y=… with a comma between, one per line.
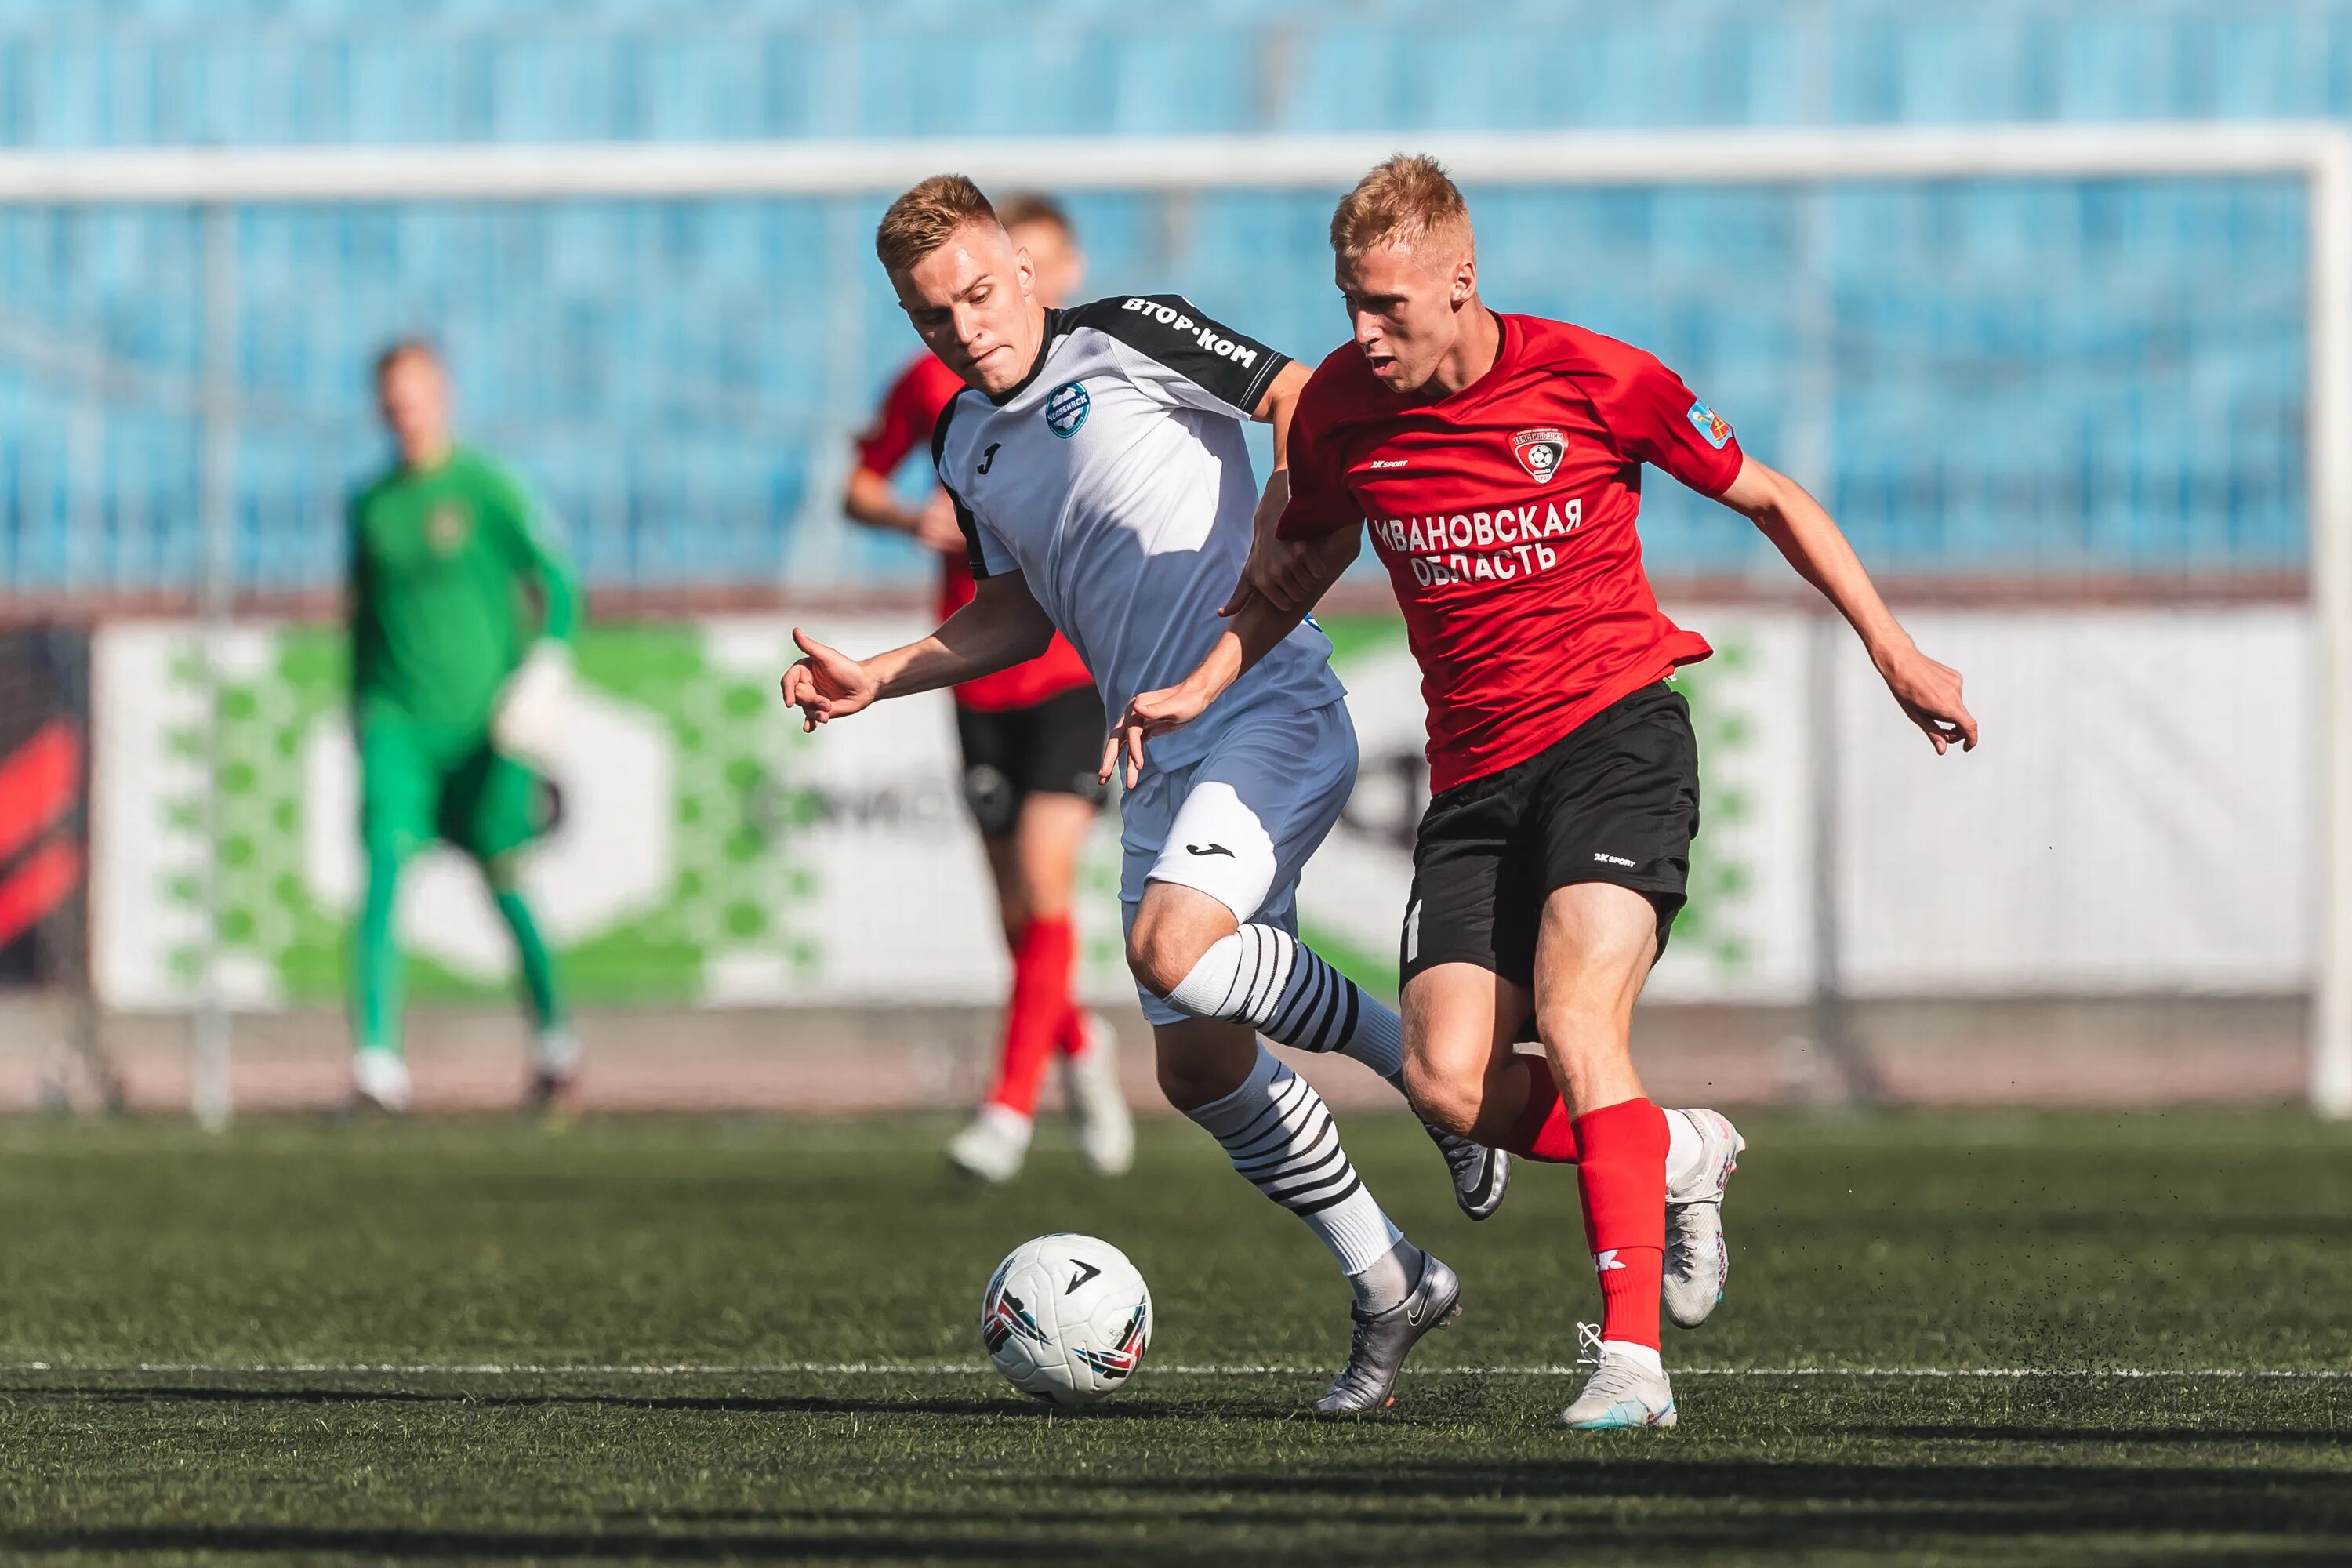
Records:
x=1711, y=425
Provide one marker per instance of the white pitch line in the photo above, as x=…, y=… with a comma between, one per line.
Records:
x=968, y=1369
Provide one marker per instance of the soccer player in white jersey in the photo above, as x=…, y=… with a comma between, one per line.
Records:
x=1097, y=469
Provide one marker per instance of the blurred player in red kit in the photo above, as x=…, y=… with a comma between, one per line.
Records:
x=1495, y=460
x=1031, y=737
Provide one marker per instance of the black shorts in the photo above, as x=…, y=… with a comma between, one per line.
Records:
x=1614, y=801
x=1054, y=747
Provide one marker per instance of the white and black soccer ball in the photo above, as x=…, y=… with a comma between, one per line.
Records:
x=1066, y=1319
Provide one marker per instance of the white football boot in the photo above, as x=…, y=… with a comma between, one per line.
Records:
x=555, y=1073
x=1697, y=1261
x=380, y=1082
x=1625, y=1390
x=993, y=1146
x=1090, y=1079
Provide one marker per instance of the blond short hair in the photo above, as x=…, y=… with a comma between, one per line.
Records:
x=920, y=221
x=1404, y=201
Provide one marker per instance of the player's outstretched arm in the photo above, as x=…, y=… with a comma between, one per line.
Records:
x=1803, y=531
x=1254, y=625
x=1003, y=625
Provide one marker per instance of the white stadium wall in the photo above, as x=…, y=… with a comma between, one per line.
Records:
x=2138, y=823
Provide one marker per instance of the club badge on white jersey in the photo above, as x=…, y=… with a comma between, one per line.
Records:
x=1116, y=480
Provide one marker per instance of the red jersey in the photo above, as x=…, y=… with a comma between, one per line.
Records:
x=1504, y=513
x=909, y=409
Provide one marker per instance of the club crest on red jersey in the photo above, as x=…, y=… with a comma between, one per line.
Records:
x=1711, y=425
x=1539, y=452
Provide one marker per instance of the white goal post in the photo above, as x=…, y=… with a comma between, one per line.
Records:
x=2319, y=154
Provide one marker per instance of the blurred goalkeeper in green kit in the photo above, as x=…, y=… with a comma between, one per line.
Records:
x=461, y=615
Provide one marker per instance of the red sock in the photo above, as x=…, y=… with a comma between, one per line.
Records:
x=1543, y=1131
x=1622, y=1178
x=1037, y=1013
x=1073, y=1037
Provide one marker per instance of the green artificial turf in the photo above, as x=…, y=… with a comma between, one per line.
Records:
x=179, y=1285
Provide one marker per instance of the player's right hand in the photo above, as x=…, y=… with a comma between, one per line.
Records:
x=1147, y=714
x=825, y=685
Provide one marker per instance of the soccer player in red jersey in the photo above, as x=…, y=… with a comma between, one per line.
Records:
x=1030, y=736
x=1497, y=462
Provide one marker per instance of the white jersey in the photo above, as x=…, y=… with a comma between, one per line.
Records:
x=1115, y=479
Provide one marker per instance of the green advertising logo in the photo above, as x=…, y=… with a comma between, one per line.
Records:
x=731, y=875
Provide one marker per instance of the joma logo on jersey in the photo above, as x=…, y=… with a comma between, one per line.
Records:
x=1207, y=337
x=1539, y=452
x=1065, y=408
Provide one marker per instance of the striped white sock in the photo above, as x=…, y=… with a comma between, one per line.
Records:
x=1264, y=976
x=1278, y=1133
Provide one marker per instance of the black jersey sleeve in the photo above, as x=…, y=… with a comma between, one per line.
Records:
x=1178, y=354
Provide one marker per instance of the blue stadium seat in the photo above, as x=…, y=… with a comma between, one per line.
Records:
x=2094, y=377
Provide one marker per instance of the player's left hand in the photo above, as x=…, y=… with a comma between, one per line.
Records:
x=1147, y=714
x=1930, y=694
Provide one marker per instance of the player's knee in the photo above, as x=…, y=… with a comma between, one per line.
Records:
x=1445, y=1063
x=1160, y=955
x=1174, y=928
x=995, y=803
x=1441, y=1096
x=1159, y=967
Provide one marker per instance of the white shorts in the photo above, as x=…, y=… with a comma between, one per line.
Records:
x=1241, y=823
